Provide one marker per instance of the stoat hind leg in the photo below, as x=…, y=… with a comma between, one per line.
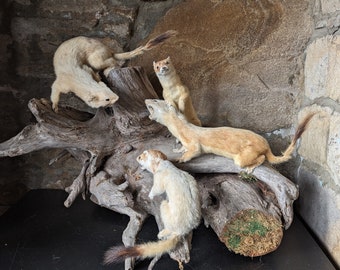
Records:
x=249, y=160
x=101, y=59
x=94, y=75
x=166, y=217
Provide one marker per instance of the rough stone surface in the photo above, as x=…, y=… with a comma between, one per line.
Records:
x=322, y=68
x=319, y=205
x=311, y=148
x=329, y=6
x=333, y=147
x=240, y=59
x=31, y=27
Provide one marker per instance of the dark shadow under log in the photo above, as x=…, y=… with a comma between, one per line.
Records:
x=107, y=145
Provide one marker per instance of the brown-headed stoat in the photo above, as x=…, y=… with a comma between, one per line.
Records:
x=246, y=148
x=174, y=91
x=180, y=213
x=76, y=65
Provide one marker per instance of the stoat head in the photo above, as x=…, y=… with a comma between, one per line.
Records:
x=163, y=67
x=150, y=159
x=159, y=109
x=101, y=98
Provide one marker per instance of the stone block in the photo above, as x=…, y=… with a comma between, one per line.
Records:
x=319, y=206
x=320, y=143
x=322, y=68
x=6, y=55
x=313, y=143
x=333, y=147
x=329, y=6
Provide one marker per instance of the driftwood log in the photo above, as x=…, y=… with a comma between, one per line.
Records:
x=248, y=216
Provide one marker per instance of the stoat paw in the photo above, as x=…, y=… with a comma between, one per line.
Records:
x=107, y=71
x=163, y=234
x=178, y=150
x=55, y=108
x=181, y=160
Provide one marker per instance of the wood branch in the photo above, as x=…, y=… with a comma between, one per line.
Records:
x=107, y=144
x=285, y=191
x=58, y=131
x=245, y=218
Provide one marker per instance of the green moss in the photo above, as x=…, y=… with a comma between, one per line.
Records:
x=255, y=227
x=234, y=241
x=248, y=177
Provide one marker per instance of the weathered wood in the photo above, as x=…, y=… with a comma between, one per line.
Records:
x=107, y=144
x=244, y=217
x=286, y=192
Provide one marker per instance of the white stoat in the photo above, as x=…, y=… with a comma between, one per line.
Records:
x=180, y=213
x=76, y=65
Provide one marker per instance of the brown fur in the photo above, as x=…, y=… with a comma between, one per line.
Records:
x=246, y=148
x=174, y=91
x=76, y=65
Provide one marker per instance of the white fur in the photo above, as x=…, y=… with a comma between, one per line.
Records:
x=76, y=63
x=181, y=212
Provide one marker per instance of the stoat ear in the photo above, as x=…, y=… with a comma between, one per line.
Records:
x=168, y=58
x=154, y=63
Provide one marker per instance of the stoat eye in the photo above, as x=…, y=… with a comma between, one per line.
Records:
x=167, y=62
x=107, y=99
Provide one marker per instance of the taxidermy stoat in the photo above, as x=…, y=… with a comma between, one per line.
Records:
x=174, y=91
x=76, y=65
x=180, y=213
x=246, y=148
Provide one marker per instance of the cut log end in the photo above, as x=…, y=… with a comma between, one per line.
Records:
x=252, y=233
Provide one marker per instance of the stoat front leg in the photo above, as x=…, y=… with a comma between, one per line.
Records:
x=192, y=151
x=157, y=189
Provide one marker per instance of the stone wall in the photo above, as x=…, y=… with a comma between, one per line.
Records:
x=319, y=173
x=260, y=65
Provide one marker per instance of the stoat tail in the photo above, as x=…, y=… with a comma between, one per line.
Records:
x=286, y=155
x=151, y=249
x=148, y=46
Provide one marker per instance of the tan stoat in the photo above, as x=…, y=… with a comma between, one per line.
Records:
x=180, y=213
x=246, y=148
x=76, y=65
x=174, y=91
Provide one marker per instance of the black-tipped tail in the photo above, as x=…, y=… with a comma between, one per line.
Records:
x=160, y=39
x=302, y=127
x=119, y=254
x=147, y=250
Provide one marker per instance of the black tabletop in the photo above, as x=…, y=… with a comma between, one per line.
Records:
x=39, y=233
